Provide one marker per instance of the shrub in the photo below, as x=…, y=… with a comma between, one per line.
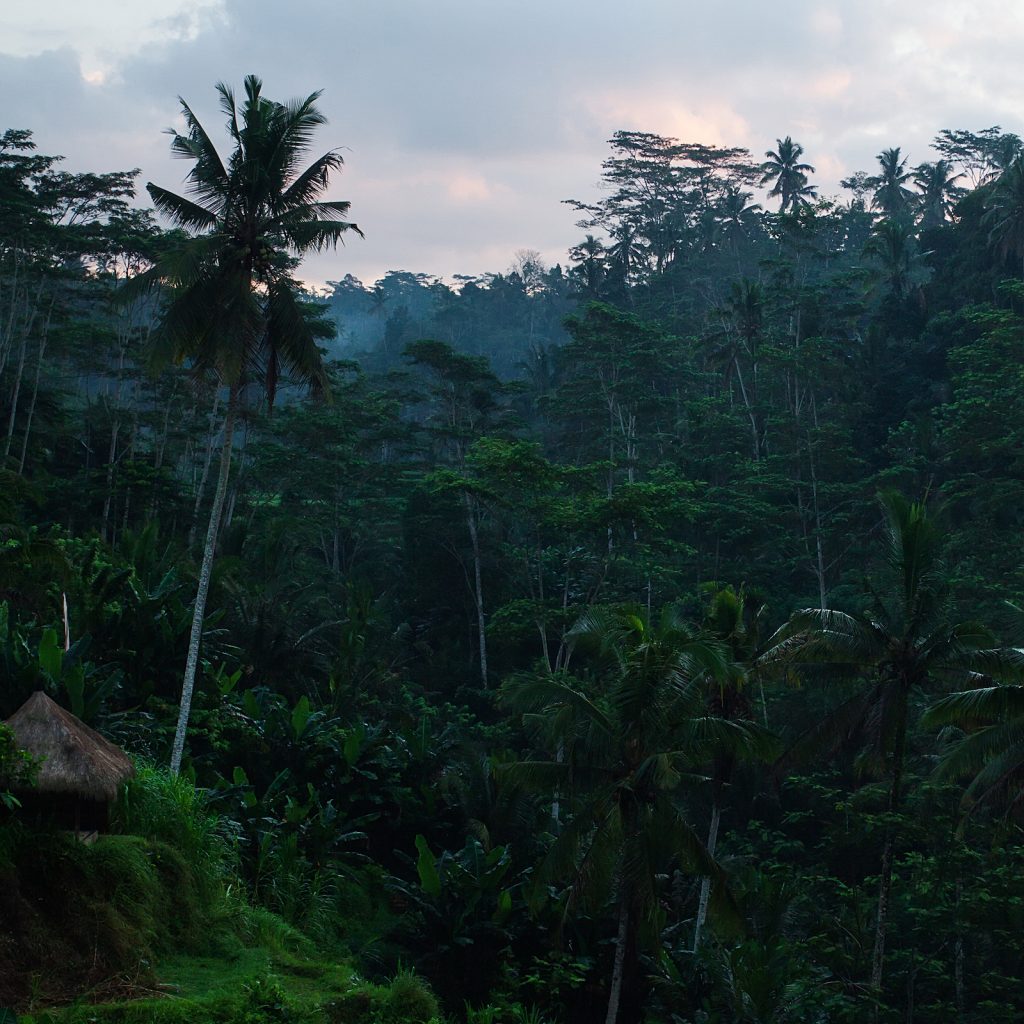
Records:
x=160, y=805
x=409, y=1001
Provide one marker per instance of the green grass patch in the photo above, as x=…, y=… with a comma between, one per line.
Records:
x=253, y=987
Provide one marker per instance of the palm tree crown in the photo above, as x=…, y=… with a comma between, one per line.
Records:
x=892, y=198
x=783, y=164
x=235, y=309
x=939, y=192
x=1005, y=213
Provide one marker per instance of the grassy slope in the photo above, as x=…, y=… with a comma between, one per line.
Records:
x=124, y=932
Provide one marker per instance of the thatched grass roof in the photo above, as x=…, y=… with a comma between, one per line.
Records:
x=76, y=760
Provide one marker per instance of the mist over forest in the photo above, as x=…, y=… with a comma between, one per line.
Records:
x=634, y=637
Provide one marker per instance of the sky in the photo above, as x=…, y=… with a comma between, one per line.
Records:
x=464, y=123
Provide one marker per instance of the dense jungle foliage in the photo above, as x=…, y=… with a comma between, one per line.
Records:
x=634, y=639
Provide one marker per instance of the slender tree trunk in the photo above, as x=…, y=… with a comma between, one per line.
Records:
x=750, y=412
x=958, y=951
x=542, y=627
x=32, y=402
x=556, y=803
x=18, y=374
x=705, y=883
x=611, y=463
x=158, y=456
x=206, y=472
x=885, y=883
x=818, y=546
x=619, y=964
x=478, y=586
x=7, y=336
x=158, y=459
x=236, y=486
x=31, y=312
x=108, y=499
x=203, y=589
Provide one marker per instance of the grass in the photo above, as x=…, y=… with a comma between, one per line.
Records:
x=150, y=927
x=258, y=986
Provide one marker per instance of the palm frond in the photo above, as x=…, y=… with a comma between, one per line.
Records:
x=987, y=703
x=970, y=754
x=536, y=776
x=311, y=183
x=834, y=730
x=181, y=211
x=299, y=121
x=291, y=341
x=316, y=235
x=545, y=694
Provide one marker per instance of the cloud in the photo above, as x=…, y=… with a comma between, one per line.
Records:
x=465, y=123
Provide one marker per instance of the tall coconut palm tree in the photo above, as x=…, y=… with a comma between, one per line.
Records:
x=735, y=625
x=627, y=747
x=905, y=643
x=939, y=192
x=742, y=326
x=892, y=198
x=627, y=256
x=1005, y=213
x=234, y=311
x=589, y=265
x=893, y=247
x=735, y=219
x=790, y=175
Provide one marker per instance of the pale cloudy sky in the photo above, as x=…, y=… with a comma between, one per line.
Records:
x=465, y=122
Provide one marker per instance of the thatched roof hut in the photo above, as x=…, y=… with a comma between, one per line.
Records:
x=76, y=761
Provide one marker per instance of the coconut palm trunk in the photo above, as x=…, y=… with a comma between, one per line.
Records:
x=885, y=882
x=619, y=964
x=203, y=588
x=705, y=884
x=207, y=460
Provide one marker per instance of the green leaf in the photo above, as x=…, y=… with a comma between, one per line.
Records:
x=51, y=657
x=353, y=745
x=294, y=812
x=426, y=865
x=504, y=906
x=251, y=705
x=300, y=716
x=74, y=683
x=226, y=683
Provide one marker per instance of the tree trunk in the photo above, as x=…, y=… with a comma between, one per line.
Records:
x=619, y=964
x=705, y=883
x=478, y=587
x=108, y=500
x=32, y=402
x=885, y=883
x=750, y=411
x=206, y=472
x=556, y=803
x=19, y=373
x=203, y=588
x=819, y=549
